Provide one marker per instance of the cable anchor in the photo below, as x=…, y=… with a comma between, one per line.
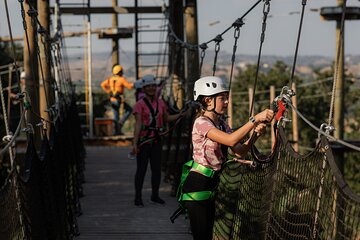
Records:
x=328, y=129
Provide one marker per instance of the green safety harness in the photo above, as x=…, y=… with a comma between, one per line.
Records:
x=200, y=195
x=192, y=196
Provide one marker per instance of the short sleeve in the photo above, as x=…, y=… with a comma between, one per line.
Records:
x=203, y=126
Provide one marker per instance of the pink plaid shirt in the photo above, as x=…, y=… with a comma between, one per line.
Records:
x=205, y=151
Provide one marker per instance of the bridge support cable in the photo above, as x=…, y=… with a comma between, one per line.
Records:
x=44, y=186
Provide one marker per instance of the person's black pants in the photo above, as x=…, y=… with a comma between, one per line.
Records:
x=148, y=153
x=200, y=213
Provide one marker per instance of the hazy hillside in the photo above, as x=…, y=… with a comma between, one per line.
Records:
x=305, y=64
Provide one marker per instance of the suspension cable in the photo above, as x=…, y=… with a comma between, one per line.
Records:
x=266, y=10
x=324, y=133
x=217, y=49
x=238, y=24
x=298, y=42
x=203, y=48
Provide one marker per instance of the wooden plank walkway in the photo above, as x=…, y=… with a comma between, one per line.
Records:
x=108, y=206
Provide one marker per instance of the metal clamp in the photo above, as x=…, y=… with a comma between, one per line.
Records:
x=282, y=121
x=328, y=129
x=7, y=138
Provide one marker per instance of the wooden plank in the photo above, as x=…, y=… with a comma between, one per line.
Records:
x=108, y=207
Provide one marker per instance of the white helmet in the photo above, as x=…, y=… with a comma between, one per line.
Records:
x=148, y=80
x=138, y=84
x=22, y=74
x=208, y=86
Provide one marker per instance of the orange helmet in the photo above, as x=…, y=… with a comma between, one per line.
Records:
x=117, y=69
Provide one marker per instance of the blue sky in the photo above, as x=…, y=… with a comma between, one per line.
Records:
x=318, y=36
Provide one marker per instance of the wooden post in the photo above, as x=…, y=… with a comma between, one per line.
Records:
x=115, y=52
x=295, y=121
x=86, y=76
x=191, y=29
x=46, y=90
x=272, y=97
x=115, y=41
x=176, y=19
x=31, y=72
x=137, y=74
x=89, y=58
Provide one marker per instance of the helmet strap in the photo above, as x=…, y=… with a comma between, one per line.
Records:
x=213, y=110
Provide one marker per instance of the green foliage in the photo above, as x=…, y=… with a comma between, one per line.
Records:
x=278, y=76
x=313, y=101
x=6, y=53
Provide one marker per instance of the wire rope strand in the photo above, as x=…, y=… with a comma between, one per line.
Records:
x=217, y=49
x=203, y=48
x=342, y=142
x=298, y=42
x=336, y=69
x=236, y=37
x=266, y=10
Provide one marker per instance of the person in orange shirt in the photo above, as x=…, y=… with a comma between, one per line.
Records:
x=114, y=86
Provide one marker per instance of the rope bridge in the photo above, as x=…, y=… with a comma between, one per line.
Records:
x=40, y=197
x=39, y=193
x=293, y=197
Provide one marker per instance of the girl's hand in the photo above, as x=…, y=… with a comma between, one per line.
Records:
x=260, y=129
x=265, y=116
x=135, y=150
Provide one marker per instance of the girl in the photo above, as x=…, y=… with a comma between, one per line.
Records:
x=211, y=137
x=151, y=117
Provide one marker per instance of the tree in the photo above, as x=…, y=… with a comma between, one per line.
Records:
x=6, y=54
x=313, y=97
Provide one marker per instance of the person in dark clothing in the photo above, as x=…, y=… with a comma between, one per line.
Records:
x=151, y=114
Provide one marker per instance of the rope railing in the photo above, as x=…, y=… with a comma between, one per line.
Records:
x=39, y=198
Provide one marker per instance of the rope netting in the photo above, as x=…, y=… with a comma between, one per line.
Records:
x=293, y=197
x=11, y=227
x=40, y=188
